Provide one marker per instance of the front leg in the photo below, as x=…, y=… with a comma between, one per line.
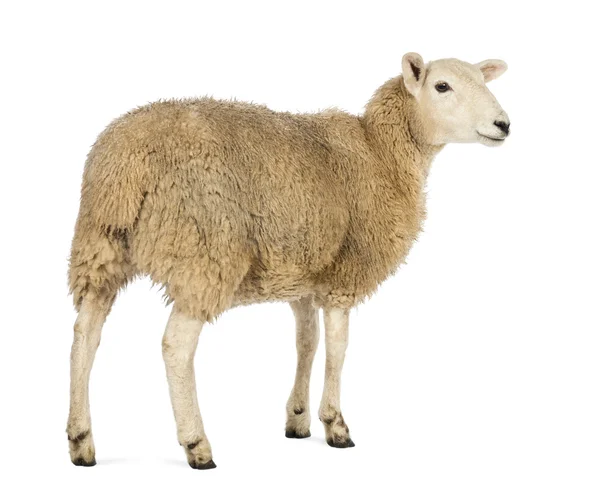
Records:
x=336, y=341
x=307, y=340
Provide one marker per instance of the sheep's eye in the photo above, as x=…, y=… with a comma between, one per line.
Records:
x=442, y=87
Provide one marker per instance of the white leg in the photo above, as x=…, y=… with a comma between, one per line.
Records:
x=336, y=341
x=86, y=339
x=179, y=346
x=307, y=340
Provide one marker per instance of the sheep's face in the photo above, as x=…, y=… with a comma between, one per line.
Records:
x=454, y=103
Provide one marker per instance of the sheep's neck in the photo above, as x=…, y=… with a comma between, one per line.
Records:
x=393, y=132
x=403, y=160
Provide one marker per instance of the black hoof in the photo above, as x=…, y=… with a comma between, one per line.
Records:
x=208, y=465
x=345, y=444
x=294, y=434
x=82, y=463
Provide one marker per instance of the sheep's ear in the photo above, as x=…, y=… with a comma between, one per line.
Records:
x=491, y=69
x=413, y=70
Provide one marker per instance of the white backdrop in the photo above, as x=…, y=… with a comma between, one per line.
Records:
x=477, y=367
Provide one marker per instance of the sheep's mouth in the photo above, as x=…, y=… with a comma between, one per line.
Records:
x=491, y=139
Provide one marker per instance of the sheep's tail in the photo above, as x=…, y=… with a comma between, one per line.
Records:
x=112, y=195
x=119, y=173
x=99, y=264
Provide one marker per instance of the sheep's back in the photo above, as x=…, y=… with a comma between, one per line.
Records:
x=209, y=179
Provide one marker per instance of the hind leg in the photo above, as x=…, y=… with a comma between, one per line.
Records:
x=200, y=291
x=307, y=340
x=179, y=346
x=88, y=327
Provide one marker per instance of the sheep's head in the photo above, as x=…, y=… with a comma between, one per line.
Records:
x=454, y=104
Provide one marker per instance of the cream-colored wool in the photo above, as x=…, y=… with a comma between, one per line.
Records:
x=227, y=203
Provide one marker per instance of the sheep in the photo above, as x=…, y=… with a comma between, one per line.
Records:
x=227, y=203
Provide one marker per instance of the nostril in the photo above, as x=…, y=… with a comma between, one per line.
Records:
x=503, y=126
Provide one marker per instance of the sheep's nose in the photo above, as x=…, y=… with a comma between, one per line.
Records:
x=503, y=126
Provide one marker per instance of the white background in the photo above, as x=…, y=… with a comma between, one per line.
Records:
x=477, y=367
